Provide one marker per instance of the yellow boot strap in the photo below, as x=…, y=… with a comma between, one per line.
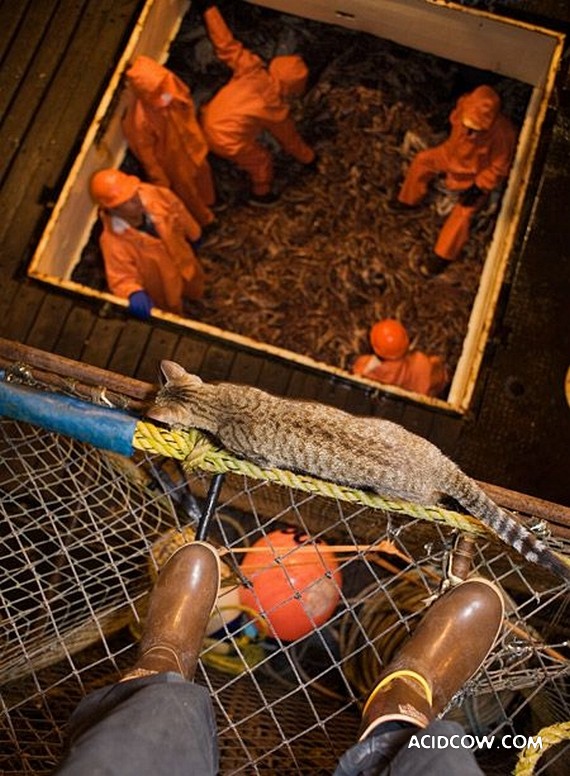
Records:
x=421, y=680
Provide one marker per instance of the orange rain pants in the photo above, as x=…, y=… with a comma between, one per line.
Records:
x=251, y=102
x=465, y=158
x=166, y=137
x=415, y=372
x=165, y=266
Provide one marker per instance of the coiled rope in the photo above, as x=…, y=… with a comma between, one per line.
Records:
x=549, y=736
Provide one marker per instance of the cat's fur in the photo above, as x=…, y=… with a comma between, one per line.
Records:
x=360, y=452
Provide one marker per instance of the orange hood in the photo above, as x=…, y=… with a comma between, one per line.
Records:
x=291, y=72
x=480, y=108
x=150, y=81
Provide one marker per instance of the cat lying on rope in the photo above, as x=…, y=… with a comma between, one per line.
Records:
x=367, y=453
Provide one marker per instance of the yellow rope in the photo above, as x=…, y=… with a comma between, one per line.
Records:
x=550, y=736
x=198, y=452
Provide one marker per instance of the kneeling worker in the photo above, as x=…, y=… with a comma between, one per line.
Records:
x=146, y=243
x=394, y=364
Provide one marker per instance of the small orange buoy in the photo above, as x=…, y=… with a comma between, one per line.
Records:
x=293, y=584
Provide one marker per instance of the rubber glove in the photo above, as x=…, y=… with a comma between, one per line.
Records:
x=140, y=304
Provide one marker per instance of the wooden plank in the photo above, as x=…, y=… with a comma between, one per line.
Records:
x=190, y=352
x=304, y=385
x=334, y=392
x=8, y=290
x=22, y=311
x=365, y=402
x=75, y=332
x=88, y=390
x=445, y=433
x=49, y=322
x=417, y=421
x=54, y=369
x=274, y=376
x=59, y=29
x=161, y=344
x=246, y=368
x=11, y=20
x=130, y=347
x=101, y=342
x=19, y=58
x=217, y=363
x=62, y=115
x=466, y=35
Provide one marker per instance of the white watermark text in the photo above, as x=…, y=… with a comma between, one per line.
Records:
x=468, y=741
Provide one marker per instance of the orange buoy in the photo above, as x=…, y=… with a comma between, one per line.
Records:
x=295, y=583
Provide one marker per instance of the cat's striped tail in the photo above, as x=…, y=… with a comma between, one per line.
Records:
x=468, y=493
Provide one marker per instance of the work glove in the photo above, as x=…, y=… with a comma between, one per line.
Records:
x=140, y=304
x=471, y=196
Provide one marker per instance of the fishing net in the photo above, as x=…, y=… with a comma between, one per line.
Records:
x=84, y=532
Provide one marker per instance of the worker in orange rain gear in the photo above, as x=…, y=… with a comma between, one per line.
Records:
x=145, y=243
x=475, y=159
x=255, y=99
x=162, y=131
x=391, y=363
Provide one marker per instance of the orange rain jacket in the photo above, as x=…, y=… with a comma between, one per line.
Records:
x=483, y=159
x=252, y=101
x=415, y=372
x=165, y=266
x=164, y=134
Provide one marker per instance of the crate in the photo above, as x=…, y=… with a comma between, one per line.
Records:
x=477, y=39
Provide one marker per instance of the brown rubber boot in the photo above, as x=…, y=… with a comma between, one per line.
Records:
x=178, y=613
x=446, y=649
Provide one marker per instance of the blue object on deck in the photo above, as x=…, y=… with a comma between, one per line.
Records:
x=105, y=428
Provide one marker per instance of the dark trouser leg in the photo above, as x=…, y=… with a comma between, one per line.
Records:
x=395, y=752
x=158, y=724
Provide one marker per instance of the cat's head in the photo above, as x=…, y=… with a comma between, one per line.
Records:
x=174, y=401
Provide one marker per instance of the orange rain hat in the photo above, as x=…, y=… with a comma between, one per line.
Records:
x=480, y=108
x=389, y=339
x=111, y=188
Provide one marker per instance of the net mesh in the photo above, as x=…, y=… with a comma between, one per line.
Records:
x=84, y=532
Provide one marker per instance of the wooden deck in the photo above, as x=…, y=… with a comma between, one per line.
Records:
x=56, y=58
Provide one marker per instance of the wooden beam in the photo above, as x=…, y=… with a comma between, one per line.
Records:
x=13, y=352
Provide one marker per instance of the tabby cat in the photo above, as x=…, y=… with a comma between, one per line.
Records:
x=360, y=452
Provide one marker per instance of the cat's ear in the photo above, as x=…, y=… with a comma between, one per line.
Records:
x=164, y=414
x=171, y=371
